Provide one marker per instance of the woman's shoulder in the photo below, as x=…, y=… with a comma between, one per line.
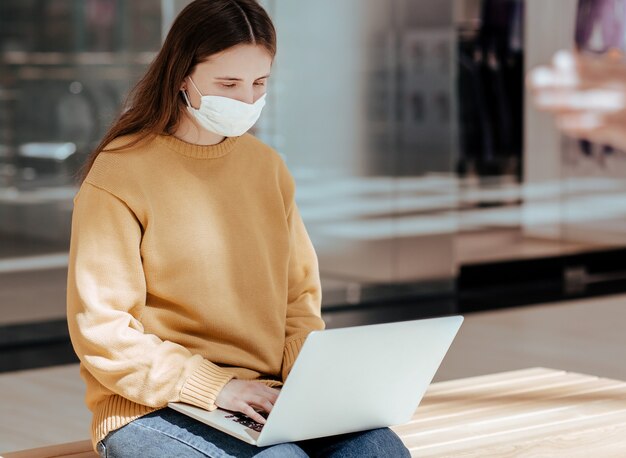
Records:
x=119, y=162
x=130, y=146
x=273, y=162
x=262, y=149
x=268, y=156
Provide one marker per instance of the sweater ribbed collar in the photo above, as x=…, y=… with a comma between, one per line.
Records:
x=198, y=151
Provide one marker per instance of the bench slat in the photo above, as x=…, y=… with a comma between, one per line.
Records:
x=79, y=449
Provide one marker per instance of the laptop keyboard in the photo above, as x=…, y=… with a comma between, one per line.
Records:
x=248, y=422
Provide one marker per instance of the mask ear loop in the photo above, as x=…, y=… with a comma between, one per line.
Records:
x=195, y=87
x=186, y=97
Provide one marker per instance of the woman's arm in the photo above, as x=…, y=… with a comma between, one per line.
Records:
x=106, y=293
x=304, y=290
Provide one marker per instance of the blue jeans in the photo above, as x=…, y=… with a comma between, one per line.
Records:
x=167, y=433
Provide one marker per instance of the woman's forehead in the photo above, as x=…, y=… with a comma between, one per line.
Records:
x=238, y=60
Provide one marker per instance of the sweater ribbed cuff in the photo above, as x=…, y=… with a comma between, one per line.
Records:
x=204, y=384
x=291, y=352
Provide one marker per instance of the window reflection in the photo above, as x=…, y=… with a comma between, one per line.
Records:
x=65, y=67
x=365, y=123
x=402, y=124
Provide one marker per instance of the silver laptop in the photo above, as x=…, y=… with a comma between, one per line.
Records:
x=346, y=380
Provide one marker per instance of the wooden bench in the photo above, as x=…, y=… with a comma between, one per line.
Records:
x=520, y=413
x=80, y=449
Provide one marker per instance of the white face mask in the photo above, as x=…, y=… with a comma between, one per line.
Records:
x=223, y=115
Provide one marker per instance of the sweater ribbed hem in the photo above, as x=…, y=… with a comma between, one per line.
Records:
x=198, y=151
x=204, y=384
x=291, y=352
x=114, y=413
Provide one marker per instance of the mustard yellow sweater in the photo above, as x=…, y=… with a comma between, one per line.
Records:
x=189, y=265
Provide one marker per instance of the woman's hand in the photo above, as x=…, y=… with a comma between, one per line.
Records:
x=586, y=94
x=243, y=395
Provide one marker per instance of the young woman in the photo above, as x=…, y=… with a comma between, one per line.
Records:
x=191, y=275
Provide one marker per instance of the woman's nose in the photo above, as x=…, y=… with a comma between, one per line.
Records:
x=250, y=96
x=245, y=96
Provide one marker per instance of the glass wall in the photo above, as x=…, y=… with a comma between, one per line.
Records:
x=575, y=190
x=65, y=67
x=360, y=105
x=404, y=122
x=362, y=108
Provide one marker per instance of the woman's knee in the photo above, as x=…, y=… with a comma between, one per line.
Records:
x=387, y=440
x=287, y=450
x=382, y=442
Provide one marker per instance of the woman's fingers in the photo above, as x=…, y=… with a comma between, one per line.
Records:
x=263, y=403
x=250, y=412
x=242, y=395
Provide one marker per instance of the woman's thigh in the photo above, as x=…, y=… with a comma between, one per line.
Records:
x=167, y=433
x=382, y=442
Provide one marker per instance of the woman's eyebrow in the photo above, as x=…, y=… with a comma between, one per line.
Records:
x=232, y=78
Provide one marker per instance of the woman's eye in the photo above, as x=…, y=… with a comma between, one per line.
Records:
x=231, y=85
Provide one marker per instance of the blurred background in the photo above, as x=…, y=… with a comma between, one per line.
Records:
x=428, y=182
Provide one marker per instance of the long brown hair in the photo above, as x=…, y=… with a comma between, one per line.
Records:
x=203, y=28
